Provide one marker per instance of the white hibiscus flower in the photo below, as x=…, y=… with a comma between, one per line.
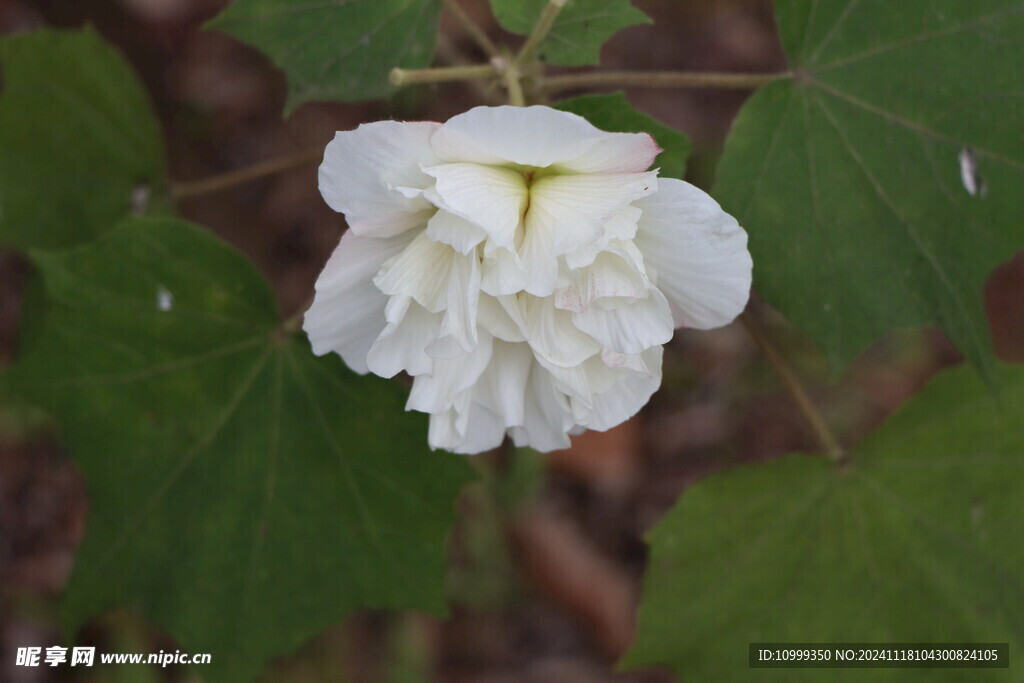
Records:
x=524, y=267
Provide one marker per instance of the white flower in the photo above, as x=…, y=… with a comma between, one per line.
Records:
x=522, y=265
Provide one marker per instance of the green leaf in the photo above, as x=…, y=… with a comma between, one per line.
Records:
x=848, y=177
x=337, y=50
x=579, y=31
x=78, y=140
x=614, y=113
x=244, y=493
x=917, y=539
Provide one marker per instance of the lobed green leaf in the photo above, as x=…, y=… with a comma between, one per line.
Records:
x=848, y=176
x=80, y=147
x=244, y=493
x=580, y=29
x=336, y=50
x=916, y=539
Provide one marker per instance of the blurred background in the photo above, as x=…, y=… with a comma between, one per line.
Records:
x=548, y=553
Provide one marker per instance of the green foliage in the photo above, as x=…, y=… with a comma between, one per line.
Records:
x=917, y=539
x=339, y=50
x=580, y=30
x=848, y=176
x=614, y=113
x=77, y=139
x=245, y=494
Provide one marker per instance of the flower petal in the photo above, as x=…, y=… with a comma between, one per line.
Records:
x=363, y=168
x=552, y=335
x=575, y=208
x=502, y=387
x=437, y=392
x=476, y=431
x=610, y=276
x=546, y=419
x=491, y=198
x=347, y=313
x=541, y=137
x=625, y=399
x=696, y=254
x=631, y=328
x=403, y=343
x=421, y=271
x=456, y=232
x=458, y=331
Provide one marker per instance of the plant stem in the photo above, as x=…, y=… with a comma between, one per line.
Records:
x=223, y=181
x=511, y=78
x=661, y=79
x=540, y=30
x=828, y=441
x=474, y=31
x=442, y=74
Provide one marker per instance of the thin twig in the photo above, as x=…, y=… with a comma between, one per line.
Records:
x=475, y=32
x=661, y=79
x=828, y=441
x=223, y=181
x=442, y=74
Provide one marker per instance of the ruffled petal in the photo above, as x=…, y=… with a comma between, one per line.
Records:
x=546, y=418
x=696, y=254
x=438, y=391
x=458, y=333
x=502, y=387
x=627, y=396
x=492, y=198
x=475, y=431
x=421, y=271
x=575, y=208
x=458, y=233
x=630, y=329
x=347, y=313
x=364, y=168
x=402, y=346
x=552, y=335
x=503, y=272
x=610, y=276
x=541, y=137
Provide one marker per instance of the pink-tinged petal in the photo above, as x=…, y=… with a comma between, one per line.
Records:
x=631, y=328
x=696, y=253
x=541, y=137
x=403, y=343
x=363, y=168
x=610, y=276
x=347, y=313
x=575, y=208
x=492, y=198
x=459, y=234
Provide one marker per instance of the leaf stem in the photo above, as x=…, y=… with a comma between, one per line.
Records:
x=821, y=430
x=194, y=188
x=475, y=32
x=540, y=31
x=442, y=74
x=661, y=79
